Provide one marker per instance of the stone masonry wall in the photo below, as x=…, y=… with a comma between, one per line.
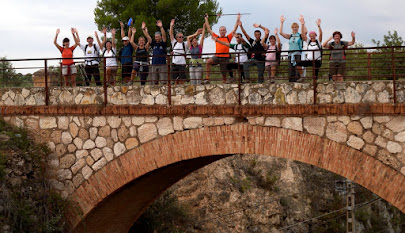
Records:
x=81, y=146
x=219, y=94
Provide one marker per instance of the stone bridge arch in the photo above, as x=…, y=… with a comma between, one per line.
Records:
x=109, y=202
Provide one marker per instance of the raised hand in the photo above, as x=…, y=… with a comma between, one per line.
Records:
x=239, y=23
x=238, y=17
x=122, y=24
x=57, y=31
x=199, y=31
x=159, y=23
x=282, y=19
x=214, y=38
x=301, y=19
x=353, y=35
x=104, y=30
x=267, y=31
x=133, y=30
x=95, y=33
x=113, y=32
x=256, y=25
x=143, y=26
x=206, y=15
x=172, y=22
x=318, y=22
x=275, y=31
x=72, y=30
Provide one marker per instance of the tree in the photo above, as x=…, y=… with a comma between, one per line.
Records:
x=7, y=73
x=189, y=14
x=392, y=39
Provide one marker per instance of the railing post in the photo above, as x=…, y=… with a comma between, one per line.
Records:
x=314, y=81
x=105, y=80
x=169, y=85
x=239, y=80
x=369, y=66
x=46, y=83
x=394, y=89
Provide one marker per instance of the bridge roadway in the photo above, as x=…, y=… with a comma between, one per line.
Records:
x=112, y=161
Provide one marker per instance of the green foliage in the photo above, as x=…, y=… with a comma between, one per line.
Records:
x=9, y=78
x=30, y=205
x=392, y=39
x=189, y=14
x=165, y=215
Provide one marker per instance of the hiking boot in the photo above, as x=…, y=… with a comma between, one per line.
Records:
x=207, y=81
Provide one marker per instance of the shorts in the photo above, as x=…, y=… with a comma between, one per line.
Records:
x=65, y=69
x=138, y=67
x=223, y=62
x=337, y=68
x=272, y=64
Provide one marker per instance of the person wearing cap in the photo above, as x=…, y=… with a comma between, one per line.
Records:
x=92, y=53
x=68, y=65
x=313, y=53
x=126, y=55
x=158, y=45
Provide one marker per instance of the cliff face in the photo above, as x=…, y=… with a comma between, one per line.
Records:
x=250, y=193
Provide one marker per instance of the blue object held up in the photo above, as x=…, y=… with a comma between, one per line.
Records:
x=129, y=22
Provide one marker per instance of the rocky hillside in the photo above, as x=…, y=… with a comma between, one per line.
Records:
x=250, y=193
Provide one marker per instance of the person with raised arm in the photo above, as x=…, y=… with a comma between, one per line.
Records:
x=68, y=65
x=273, y=51
x=158, y=45
x=258, y=51
x=178, y=69
x=141, y=64
x=337, y=63
x=125, y=55
x=314, y=48
x=92, y=53
x=195, y=66
x=295, y=47
x=110, y=53
x=222, y=51
x=241, y=58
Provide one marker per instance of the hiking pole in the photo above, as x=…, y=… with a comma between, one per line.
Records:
x=229, y=14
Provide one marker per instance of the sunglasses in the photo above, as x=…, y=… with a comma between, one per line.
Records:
x=180, y=37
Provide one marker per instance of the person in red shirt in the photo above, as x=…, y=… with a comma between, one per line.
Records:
x=68, y=66
x=222, y=51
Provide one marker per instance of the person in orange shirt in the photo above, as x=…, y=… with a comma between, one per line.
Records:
x=68, y=66
x=222, y=51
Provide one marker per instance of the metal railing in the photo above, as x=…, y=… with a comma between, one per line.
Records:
x=372, y=63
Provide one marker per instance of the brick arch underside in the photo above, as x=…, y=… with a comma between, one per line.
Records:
x=114, y=197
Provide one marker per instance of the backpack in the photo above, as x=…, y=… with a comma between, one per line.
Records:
x=332, y=45
x=184, y=49
x=278, y=53
x=115, y=55
x=300, y=37
x=319, y=47
x=97, y=59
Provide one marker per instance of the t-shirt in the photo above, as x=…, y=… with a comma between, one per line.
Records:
x=257, y=49
x=338, y=55
x=67, y=53
x=271, y=54
x=179, y=52
x=127, y=51
x=314, y=46
x=141, y=54
x=91, y=54
x=242, y=50
x=158, y=48
x=295, y=42
x=110, y=57
x=196, y=52
x=220, y=49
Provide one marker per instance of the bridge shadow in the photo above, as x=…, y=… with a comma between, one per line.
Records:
x=114, y=197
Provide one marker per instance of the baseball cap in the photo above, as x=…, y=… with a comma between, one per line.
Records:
x=125, y=38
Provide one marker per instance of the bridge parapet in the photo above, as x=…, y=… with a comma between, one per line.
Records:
x=218, y=94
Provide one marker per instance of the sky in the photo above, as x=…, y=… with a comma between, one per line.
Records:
x=28, y=27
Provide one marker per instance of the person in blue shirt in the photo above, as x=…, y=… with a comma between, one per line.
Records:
x=126, y=55
x=295, y=43
x=158, y=45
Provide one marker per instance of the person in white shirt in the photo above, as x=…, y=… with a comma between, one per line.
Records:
x=313, y=55
x=110, y=54
x=92, y=53
x=178, y=69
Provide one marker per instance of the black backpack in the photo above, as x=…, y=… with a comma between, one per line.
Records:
x=278, y=53
x=332, y=45
x=115, y=55
x=319, y=47
x=95, y=51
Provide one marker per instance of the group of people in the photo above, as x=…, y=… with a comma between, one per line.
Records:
x=261, y=51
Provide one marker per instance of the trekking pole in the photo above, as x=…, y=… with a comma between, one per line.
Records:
x=314, y=81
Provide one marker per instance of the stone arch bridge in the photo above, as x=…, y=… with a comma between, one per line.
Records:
x=113, y=161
